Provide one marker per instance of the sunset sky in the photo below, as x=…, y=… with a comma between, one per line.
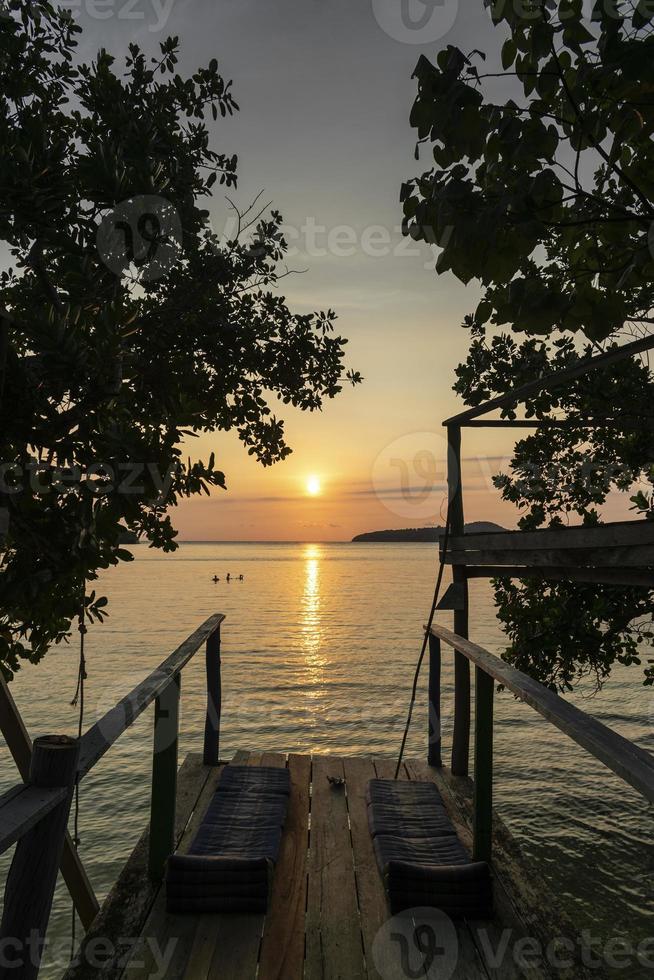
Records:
x=325, y=92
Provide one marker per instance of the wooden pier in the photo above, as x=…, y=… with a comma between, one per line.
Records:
x=327, y=903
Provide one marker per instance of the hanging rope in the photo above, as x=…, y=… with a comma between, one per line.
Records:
x=78, y=700
x=425, y=639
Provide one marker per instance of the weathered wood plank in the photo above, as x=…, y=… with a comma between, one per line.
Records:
x=482, y=934
x=19, y=744
x=370, y=888
x=32, y=875
x=619, y=533
x=226, y=947
x=626, y=759
x=596, y=576
x=275, y=759
x=524, y=902
x=470, y=964
x=630, y=556
x=461, y=725
x=124, y=911
x=549, y=382
x=164, y=934
x=334, y=948
x=101, y=736
x=21, y=808
x=282, y=948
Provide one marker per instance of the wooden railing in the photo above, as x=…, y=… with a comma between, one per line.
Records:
x=34, y=813
x=628, y=761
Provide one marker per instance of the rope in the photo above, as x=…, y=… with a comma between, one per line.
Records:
x=425, y=640
x=78, y=699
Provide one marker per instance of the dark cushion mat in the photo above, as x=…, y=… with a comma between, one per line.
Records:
x=419, y=853
x=425, y=821
x=232, y=856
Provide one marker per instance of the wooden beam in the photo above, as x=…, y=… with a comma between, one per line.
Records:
x=554, y=380
x=629, y=556
x=164, y=779
x=615, y=534
x=595, y=576
x=21, y=808
x=214, y=700
x=33, y=873
x=483, y=791
x=434, y=714
x=461, y=730
x=624, y=421
x=111, y=726
x=626, y=759
x=20, y=745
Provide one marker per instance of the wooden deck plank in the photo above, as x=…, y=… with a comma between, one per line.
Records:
x=275, y=759
x=230, y=943
x=471, y=964
x=126, y=908
x=282, y=948
x=226, y=947
x=163, y=932
x=373, y=905
x=523, y=900
x=334, y=949
x=327, y=901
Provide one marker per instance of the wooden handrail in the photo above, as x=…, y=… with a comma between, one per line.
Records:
x=23, y=806
x=631, y=763
x=101, y=736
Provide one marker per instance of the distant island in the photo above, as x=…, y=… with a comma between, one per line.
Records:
x=423, y=534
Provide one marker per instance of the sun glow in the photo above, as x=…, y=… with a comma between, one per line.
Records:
x=313, y=486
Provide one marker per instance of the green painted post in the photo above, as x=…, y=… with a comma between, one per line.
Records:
x=214, y=701
x=461, y=731
x=483, y=793
x=164, y=778
x=434, y=722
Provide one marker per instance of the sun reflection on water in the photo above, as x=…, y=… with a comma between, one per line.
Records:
x=311, y=627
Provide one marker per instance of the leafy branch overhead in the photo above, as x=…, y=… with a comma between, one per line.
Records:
x=106, y=368
x=540, y=188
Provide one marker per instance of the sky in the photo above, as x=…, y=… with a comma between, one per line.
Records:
x=325, y=91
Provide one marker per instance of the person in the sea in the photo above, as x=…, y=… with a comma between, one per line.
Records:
x=228, y=577
x=216, y=579
x=240, y=578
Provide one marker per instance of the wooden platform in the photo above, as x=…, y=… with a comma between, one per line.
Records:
x=328, y=901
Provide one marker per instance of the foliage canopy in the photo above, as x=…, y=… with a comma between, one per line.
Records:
x=542, y=191
x=105, y=367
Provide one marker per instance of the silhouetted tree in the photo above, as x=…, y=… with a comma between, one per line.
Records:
x=127, y=326
x=546, y=199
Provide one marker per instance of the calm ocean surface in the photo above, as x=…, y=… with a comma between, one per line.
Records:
x=319, y=649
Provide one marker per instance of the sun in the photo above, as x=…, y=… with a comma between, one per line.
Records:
x=313, y=486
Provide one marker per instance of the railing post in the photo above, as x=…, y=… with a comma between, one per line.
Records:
x=164, y=778
x=20, y=745
x=33, y=873
x=483, y=791
x=461, y=732
x=434, y=723
x=214, y=701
